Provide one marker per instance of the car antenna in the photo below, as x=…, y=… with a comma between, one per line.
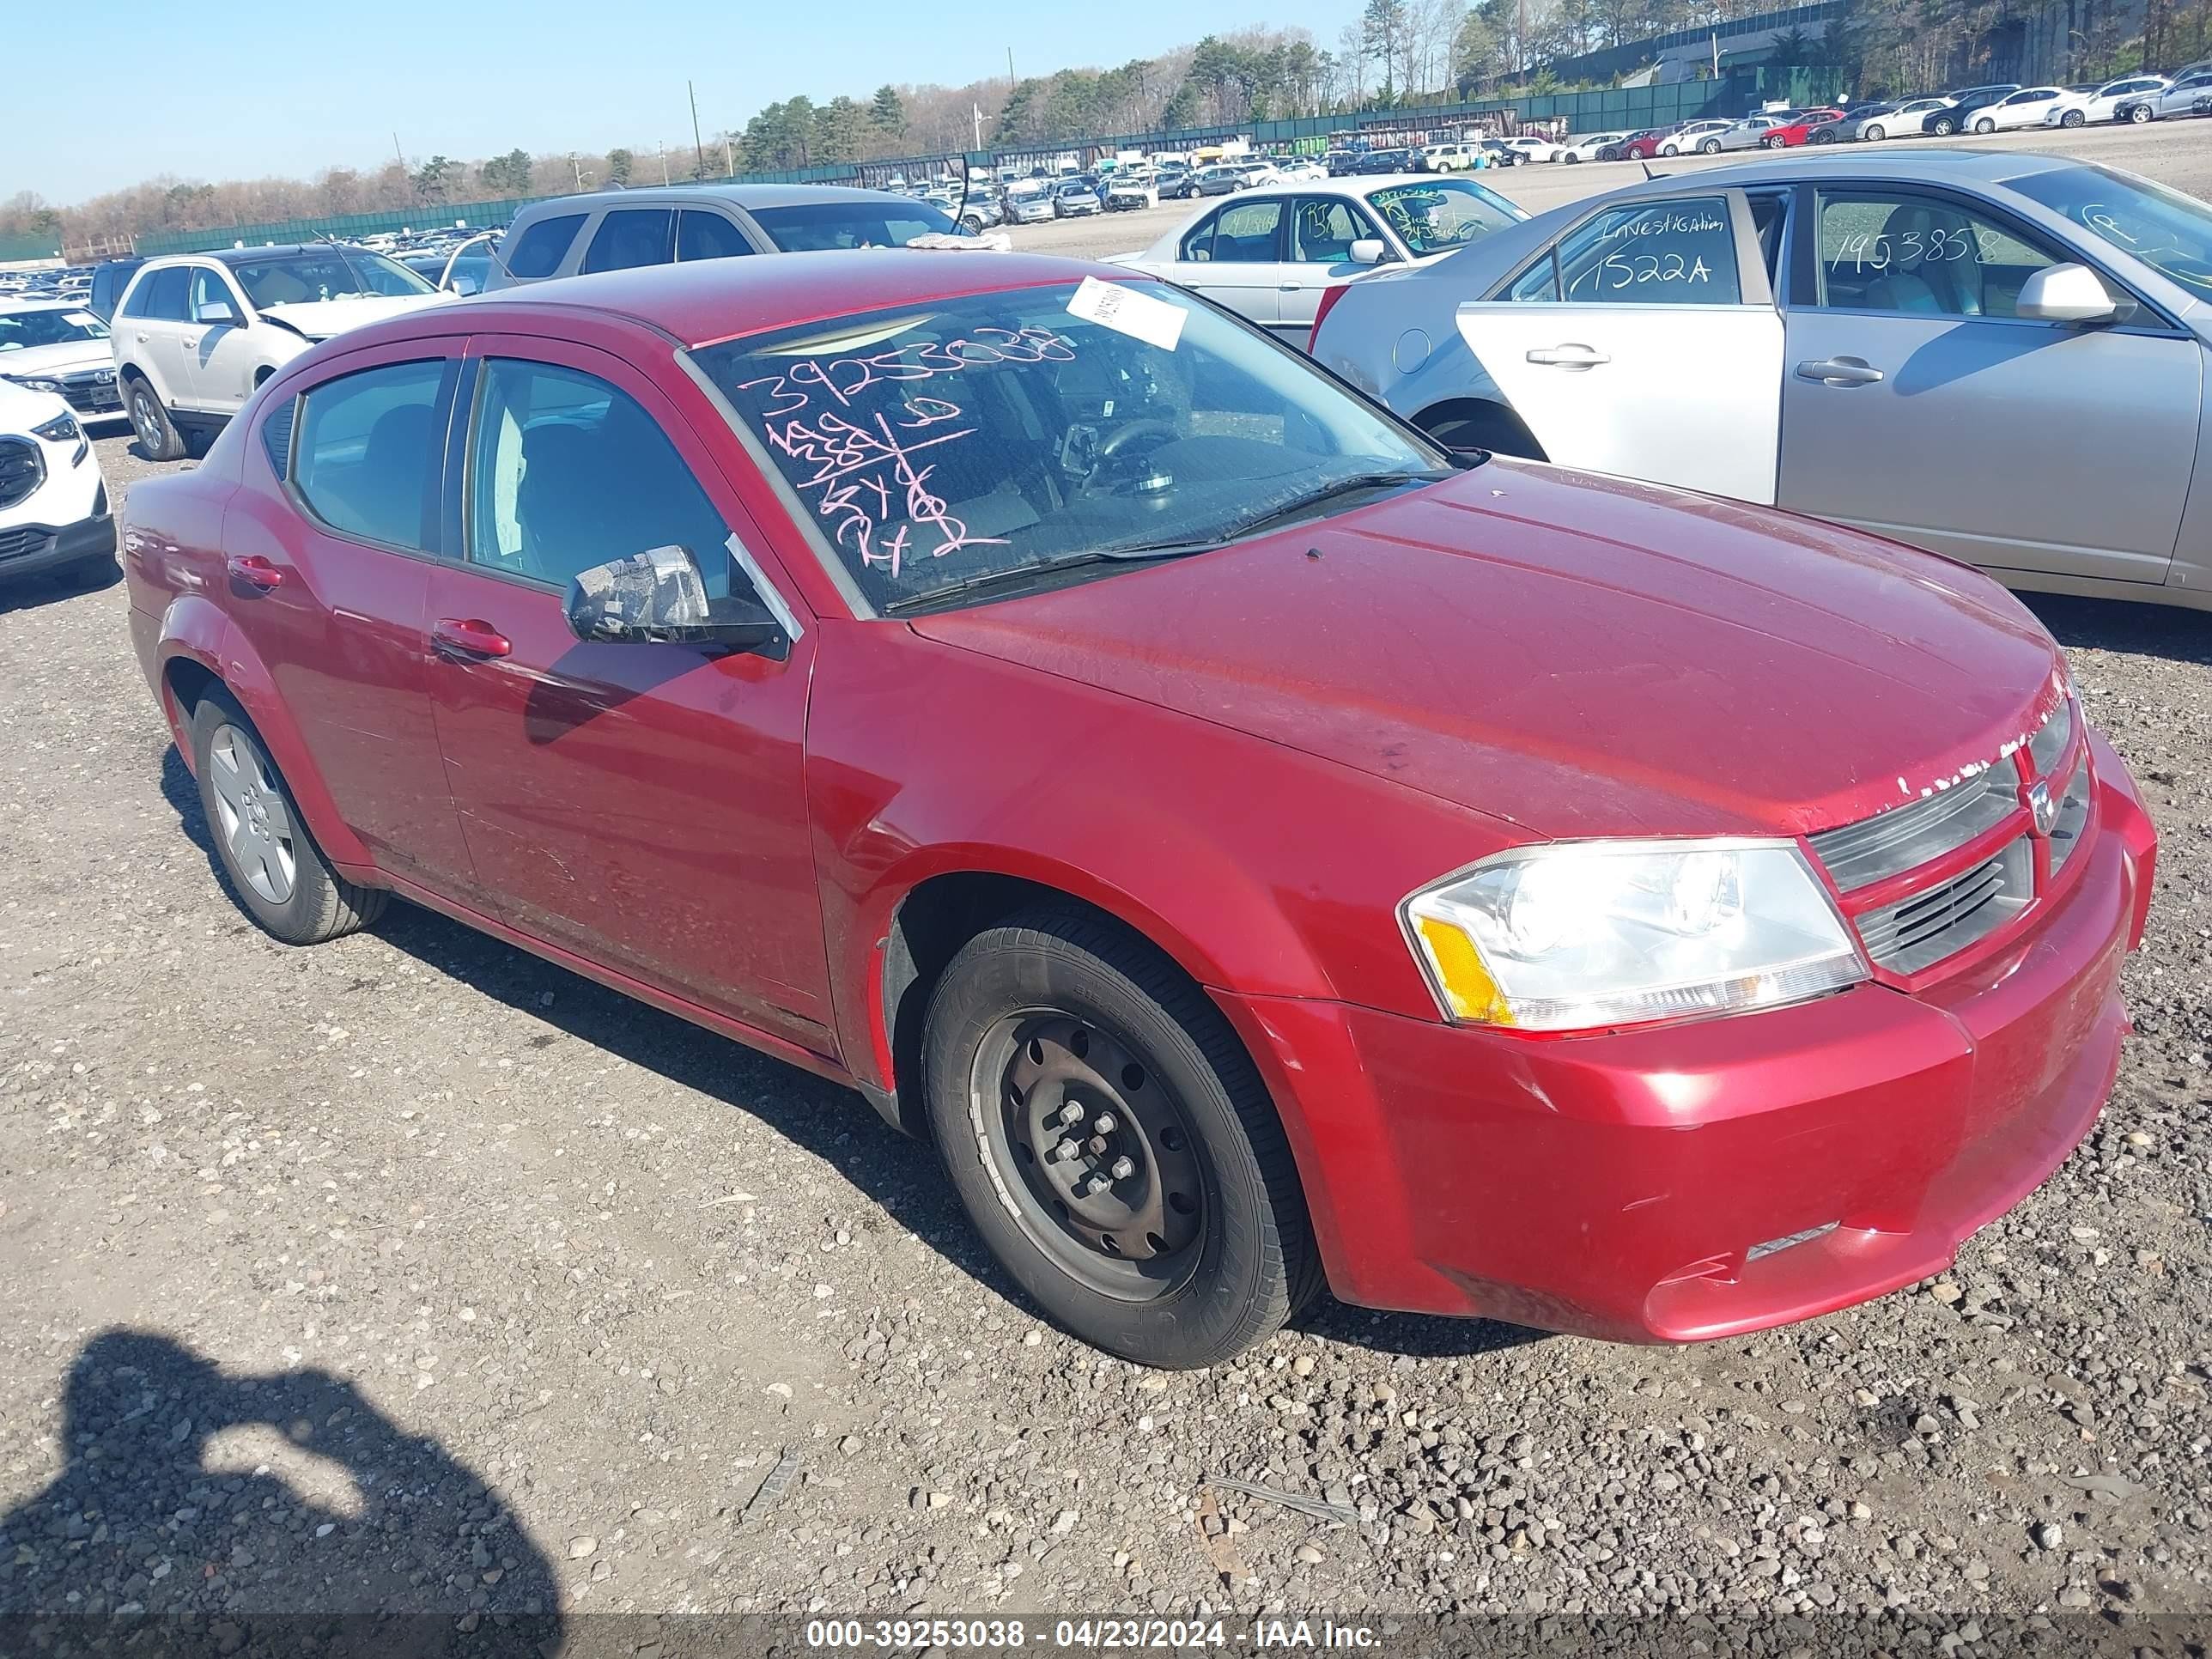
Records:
x=1646, y=166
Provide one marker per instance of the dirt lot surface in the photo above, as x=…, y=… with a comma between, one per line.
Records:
x=409, y=1272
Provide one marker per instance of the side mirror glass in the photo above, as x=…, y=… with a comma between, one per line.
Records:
x=660, y=595
x=1368, y=250
x=2068, y=294
x=219, y=313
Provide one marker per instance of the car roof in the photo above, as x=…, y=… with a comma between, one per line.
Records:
x=743, y=196
x=1928, y=164
x=28, y=302
x=709, y=300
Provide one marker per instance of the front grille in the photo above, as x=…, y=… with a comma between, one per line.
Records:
x=22, y=470
x=91, y=391
x=22, y=542
x=1917, y=932
x=1906, y=837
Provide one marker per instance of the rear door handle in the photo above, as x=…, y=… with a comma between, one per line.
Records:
x=255, y=572
x=1839, y=371
x=1568, y=356
x=467, y=637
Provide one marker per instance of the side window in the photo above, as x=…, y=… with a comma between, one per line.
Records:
x=161, y=298
x=703, y=236
x=629, y=237
x=1678, y=252
x=211, y=298
x=1898, y=250
x=1323, y=229
x=1247, y=233
x=366, y=458
x=540, y=249
x=1198, y=246
x=567, y=471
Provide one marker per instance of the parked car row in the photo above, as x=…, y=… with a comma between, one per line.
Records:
x=1694, y=918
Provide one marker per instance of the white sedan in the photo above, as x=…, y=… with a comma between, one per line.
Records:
x=1906, y=118
x=2104, y=104
x=1270, y=254
x=1535, y=149
x=59, y=346
x=1695, y=136
x=1584, y=147
x=2026, y=108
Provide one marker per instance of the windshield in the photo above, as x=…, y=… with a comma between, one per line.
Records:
x=819, y=225
x=1001, y=432
x=326, y=273
x=2169, y=231
x=21, y=329
x=1438, y=215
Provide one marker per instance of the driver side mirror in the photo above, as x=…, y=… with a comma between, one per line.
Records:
x=1368, y=250
x=659, y=596
x=218, y=313
x=2069, y=294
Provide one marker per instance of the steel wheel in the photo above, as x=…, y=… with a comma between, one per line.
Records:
x=256, y=828
x=1091, y=1153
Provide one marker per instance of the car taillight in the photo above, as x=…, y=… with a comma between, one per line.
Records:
x=1329, y=296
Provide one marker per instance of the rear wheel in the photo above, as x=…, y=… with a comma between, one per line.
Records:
x=276, y=871
x=1111, y=1141
x=157, y=434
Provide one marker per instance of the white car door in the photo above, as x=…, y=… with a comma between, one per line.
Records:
x=1234, y=257
x=224, y=354
x=1645, y=342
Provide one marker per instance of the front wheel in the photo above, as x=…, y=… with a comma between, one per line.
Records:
x=157, y=434
x=1710, y=146
x=1944, y=128
x=1668, y=150
x=2139, y=114
x=1985, y=125
x=274, y=869
x=1872, y=135
x=1770, y=143
x=1570, y=158
x=1112, y=1142
x=2073, y=118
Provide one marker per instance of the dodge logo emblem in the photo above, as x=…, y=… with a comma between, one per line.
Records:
x=2042, y=808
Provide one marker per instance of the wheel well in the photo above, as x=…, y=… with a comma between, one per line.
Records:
x=931, y=924
x=187, y=683
x=1478, y=424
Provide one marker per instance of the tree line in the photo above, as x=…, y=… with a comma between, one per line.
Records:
x=1394, y=51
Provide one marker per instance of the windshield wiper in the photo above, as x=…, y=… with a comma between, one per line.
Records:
x=1021, y=573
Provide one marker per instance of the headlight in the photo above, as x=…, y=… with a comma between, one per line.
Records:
x=1578, y=935
x=62, y=430
x=33, y=382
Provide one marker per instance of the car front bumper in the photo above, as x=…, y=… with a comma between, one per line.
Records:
x=1678, y=1183
x=27, y=550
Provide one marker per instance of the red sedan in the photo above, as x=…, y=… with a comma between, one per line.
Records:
x=1799, y=129
x=1250, y=843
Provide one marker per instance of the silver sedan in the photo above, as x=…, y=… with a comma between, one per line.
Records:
x=2000, y=356
x=1271, y=254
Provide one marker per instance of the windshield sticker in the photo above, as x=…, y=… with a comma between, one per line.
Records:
x=1139, y=316
x=866, y=473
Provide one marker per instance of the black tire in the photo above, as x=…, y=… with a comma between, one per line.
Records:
x=1570, y=158
x=1944, y=127
x=1985, y=125
x=318, y=904
x=1770, y=143
x=2140, y=113
x=1248, y=1261
x=1873, y=134
x=1710, y=146
x=2073, y=118
x=157, y=434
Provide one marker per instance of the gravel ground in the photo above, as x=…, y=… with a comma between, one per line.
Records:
x=412, y=1273
x=2177, y=153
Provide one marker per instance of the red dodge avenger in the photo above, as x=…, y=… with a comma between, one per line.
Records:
x=1254, y=844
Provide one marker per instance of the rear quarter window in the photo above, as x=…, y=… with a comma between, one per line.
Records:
x=542, y=246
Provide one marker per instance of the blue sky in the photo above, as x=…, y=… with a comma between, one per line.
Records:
x=137, y=88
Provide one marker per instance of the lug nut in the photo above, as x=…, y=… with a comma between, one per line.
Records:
x=1123, y=1169
x=1104, y=1123
x=1071, y=1113
x=1065, y=1149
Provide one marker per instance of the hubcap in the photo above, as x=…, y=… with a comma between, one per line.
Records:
x=1091, y=1153
x=251, y=816
x=142, y=410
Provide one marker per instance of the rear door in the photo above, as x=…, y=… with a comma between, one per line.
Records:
x=1234, y=256
x=1645, y=342
x=1917, y=406
x=626, y=237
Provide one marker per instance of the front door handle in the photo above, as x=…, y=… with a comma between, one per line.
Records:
x=1568, y=356
x=1290, y=288
x=1839, y=371
x=255, y=572
x=467, y=637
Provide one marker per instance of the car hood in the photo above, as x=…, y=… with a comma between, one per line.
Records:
x=319, y=319
x=1580, y=655
x=61, y=359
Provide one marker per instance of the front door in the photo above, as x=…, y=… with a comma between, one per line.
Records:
x=330, y=587
x=1321, y=232
x=1917, y=406
x=223, y=357
x=642, y=805
x=1645, y=342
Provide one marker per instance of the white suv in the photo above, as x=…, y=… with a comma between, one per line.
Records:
x=195, y=333
x=53, y=504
